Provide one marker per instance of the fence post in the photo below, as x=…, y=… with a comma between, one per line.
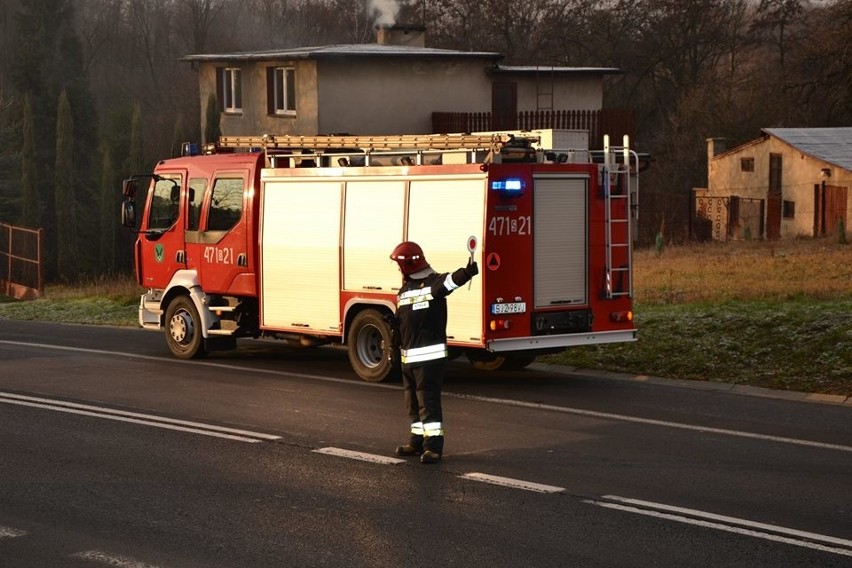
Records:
x=39, y=247
x=9, y=273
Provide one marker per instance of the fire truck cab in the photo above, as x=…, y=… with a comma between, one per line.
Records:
x=289, y=237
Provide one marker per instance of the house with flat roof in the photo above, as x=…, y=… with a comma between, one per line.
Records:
x=395, y=86
x=790, y=182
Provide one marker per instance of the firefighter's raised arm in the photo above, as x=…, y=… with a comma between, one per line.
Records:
x=463, y=275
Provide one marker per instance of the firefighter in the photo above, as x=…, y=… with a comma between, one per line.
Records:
x=422, y=318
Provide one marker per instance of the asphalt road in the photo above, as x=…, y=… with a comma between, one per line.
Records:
x=113, y=453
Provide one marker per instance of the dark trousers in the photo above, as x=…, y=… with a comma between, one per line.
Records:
x=422, y=387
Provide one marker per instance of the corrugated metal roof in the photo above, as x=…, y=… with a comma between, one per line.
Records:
x=343, y=50
x=833, y=145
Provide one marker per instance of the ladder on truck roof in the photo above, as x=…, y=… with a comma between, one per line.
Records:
x=341, y=146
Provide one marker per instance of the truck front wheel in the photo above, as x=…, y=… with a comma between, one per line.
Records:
x=183, y=329
x=372, y=352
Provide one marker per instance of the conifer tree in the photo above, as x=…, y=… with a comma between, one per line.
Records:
x=119, y=134
x=212, y=128
x=108, y=206
x=136, y=160
x=10, y=159
x=30, y=208
x=67, y=252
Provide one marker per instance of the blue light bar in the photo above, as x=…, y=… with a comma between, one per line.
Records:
x=509, y=185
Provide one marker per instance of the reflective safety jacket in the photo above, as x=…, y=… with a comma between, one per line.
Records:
x=421, y=310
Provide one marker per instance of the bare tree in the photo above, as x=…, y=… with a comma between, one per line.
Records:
x=819, y=69
x=775, y=18
x=459, y=24
x=98, y=24
x=532, y=35
x=200, y=16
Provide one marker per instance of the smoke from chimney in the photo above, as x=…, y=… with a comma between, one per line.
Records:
x=385, y=10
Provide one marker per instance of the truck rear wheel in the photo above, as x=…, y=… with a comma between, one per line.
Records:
x=183, y=329
x=372, y=352
x=494, y=362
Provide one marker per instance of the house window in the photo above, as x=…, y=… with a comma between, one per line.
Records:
x=229, y=89
x=789, y=209
x=747, y=164
x=281, y=90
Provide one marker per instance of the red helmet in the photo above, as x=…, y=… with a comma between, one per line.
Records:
x=410, y=257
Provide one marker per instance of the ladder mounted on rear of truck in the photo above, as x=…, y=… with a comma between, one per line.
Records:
x=621, y=194
x=406, y=150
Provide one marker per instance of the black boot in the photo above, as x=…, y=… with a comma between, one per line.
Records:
x=430, y=457
x=409, y=450
x=414, y=447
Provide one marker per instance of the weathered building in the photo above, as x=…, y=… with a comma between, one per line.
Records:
x=790, y=182
x=394, y=86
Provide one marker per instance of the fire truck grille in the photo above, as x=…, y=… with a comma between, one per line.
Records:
x=579, y=321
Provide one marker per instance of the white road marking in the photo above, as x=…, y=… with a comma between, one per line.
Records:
x=491, y=400
x=653, y=422
x=136, y=418
x=111, y=560
x=727, y=524
x=361, y=456
x=513, y=483
x=7, y=532
x=730, y=520
x=197, y=363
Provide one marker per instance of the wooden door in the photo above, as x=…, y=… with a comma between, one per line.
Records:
x=504, y=106
x=774, y=198
x=834, y=211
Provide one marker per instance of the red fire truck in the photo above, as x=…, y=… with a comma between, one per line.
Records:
x=289, y=237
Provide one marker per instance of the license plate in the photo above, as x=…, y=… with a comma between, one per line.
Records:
x=509, y=308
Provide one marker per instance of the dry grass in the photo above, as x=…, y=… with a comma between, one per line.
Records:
x=100, y=301
x=755, y=270
x=112, y=287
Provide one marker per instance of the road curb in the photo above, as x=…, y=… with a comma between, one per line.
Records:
x=747, y=390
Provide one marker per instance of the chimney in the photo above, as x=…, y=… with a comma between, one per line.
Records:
x=715, y=146
x=401, y=34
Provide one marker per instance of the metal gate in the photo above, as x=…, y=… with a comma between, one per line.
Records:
x=728, y=218
x=21, y=262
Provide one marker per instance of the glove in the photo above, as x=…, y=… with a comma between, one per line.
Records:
x=471, y=269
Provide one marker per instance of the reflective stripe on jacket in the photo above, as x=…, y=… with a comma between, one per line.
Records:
x=427, y=353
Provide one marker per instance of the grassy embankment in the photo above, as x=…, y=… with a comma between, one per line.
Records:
x=776, y=315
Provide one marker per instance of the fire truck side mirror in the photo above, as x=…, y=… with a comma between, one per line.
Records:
x=128, y=213
x=129, y=188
